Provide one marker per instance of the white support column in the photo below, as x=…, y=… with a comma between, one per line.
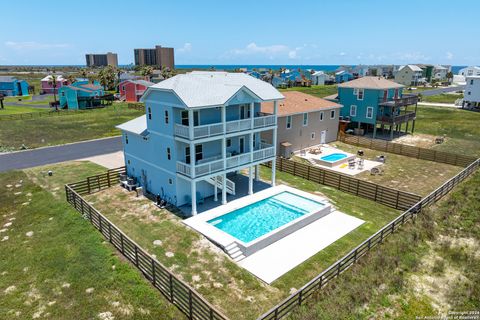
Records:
x=192, y=144
x=250, y=180
x=193, y=190
x=257, y=172
x=215, y=191
x=274, y=142
x=224, y=155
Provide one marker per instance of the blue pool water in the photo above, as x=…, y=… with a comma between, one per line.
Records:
x=259, y=218
x=334, y=157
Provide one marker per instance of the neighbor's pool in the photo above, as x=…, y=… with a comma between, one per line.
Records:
x=259, y=218
x=334, y=157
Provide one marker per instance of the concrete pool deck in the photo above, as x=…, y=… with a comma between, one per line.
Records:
x=282, y=256
x=341, y=168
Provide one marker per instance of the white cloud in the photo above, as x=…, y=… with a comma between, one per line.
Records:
x=32, y=45
x=187, y=47
x=271, y=52
x=412, y=57
x=449, y=55
x=342, y=54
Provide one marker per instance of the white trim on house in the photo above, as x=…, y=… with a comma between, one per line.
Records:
x=371, y=114
x=353, y=110
x=305, y=119
x=288, y=122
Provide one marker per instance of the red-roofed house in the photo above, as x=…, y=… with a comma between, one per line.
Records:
x=132, y=90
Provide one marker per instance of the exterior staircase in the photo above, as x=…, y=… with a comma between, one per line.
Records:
x=230, y=184
x=234, y=252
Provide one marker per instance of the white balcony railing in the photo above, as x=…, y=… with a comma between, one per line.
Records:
x=214, y=129
x=216, y=164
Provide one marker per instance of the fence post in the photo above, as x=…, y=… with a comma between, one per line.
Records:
x=396, y=204
x=88, y=185
x=110, y=232
x=153, y=272
x=376, y=191
x=121, y=243
x=136, y=255
x=108, y=178
x=190, y=307
x=170, y=280
x=100, y=223
x=300, y=297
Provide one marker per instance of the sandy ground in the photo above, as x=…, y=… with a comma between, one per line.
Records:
x=109, y=160
x=417, y=140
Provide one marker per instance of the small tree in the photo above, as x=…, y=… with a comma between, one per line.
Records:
x=107, y=77
x=147, y=71
x=53, y=82
x=450, y=76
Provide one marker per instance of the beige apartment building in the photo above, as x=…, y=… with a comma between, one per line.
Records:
x=101, y=59
x=158, y=56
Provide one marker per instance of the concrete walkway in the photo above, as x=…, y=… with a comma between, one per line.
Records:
x=437, y=104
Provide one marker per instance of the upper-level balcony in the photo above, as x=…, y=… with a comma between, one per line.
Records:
x=217, y=163
x=209, y=130
x=397, y=119
x=405, y=100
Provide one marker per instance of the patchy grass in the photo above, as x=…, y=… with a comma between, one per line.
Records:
x=19, y=109
x=442, y=98
x=319, y=91
x=55, y=265
x=97, y=123
x=460, y=126
x=199, y=262
x=429, y=267
x=404, y=173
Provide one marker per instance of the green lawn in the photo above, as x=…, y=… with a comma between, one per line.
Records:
x=55, y=265
x=319, y=91
x=202, y=264
x=91, y=124
x=425, y=269
x=461, y=127
x=19, y=109
x=442, y=98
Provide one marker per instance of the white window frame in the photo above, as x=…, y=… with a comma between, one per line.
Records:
x=288, y=122
x=305, y=119
x=322, y=115
x=354, y=109
x=358, y=94
x=332, y=114
x=371, y=115
x=355, y=91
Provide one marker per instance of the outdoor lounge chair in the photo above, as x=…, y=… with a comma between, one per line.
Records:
x=200, y=199
x=351, y=164
x=360, y=164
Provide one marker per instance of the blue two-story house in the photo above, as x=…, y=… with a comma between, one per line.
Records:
x=369, y=102
x=201, y=128
x=81, y=95
x=11, y=86
x=343, y=76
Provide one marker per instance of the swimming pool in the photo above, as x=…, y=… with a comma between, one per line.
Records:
x=259, y=218
x=334, y=157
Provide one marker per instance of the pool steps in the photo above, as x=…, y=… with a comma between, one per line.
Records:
x=233, y=250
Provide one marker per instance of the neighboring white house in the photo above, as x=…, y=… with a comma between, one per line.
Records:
x=469, y=71
x=319, y=78
x=440, y=72
x=472, y=92
x=409, y=75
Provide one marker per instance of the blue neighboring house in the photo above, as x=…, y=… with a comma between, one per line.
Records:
x=11, y=86
x=343, y=76
x=80, y=95
x=199, y=131
x=369, y=102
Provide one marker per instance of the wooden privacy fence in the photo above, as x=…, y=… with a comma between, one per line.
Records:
x=320, y=281
x=409, y=151
x=387, y=196
x=192, y=304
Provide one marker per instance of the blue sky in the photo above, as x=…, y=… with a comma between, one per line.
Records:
x=244, y=32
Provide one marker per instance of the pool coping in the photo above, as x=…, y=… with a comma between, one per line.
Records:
x=224, y=240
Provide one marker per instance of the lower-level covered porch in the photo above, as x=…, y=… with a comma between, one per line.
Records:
x=238, y=184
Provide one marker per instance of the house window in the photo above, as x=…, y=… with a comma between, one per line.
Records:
x=170, y=181
x=312, y=136
x=469, y=92
x=321, y=116
x=471, y=81
x=305, y=119
x=169, y=154
x=396, y=93
x=360, y=94
x=198, y=152
x=63, y=93
x=353, y=111
x=355, y=91
x=187, y=155
x=128, y=161
x=123, y=88
x=185, y=117
x=166, y=116
x=149, y=113
x=332, y=114
x=229, y=143
x=289, y=122
x=369, y=113
x=126, y=138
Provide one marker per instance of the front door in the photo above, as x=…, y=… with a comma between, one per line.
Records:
x=241, y=145
x=323, y=136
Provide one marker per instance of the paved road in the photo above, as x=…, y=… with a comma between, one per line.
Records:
x=439, y=90
x=68, y=152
